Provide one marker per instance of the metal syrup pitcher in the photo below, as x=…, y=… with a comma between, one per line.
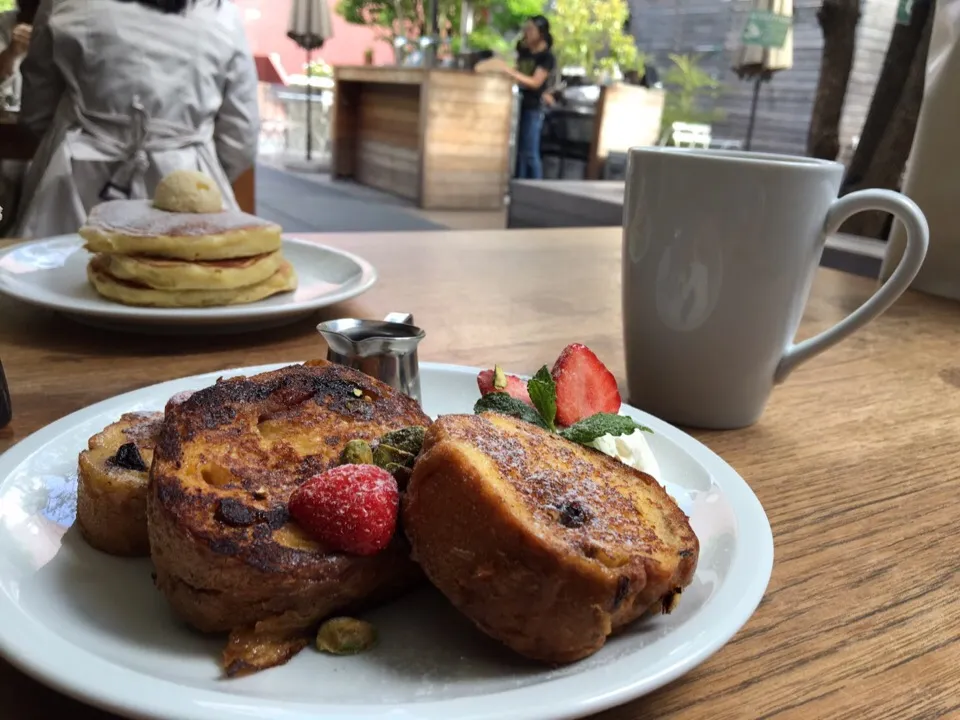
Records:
x=385, y=349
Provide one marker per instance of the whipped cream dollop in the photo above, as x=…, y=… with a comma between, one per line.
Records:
x=632, y=450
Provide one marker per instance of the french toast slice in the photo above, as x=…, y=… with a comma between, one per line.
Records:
x=227, y=555
x=112, y=484
x=546, y=545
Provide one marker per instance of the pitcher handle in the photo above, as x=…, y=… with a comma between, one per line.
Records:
x=918, y=238
x=400, y=318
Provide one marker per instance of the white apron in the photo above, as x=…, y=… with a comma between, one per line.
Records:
x=109, y=157
x=11, y=171
x=123, y=95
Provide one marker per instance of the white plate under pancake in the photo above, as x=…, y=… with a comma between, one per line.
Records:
x=52, y=273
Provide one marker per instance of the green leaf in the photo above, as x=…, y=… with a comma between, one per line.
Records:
x=590, y=34
x=589, y=429
x=504, y=404
x=408, y=439
x=543, y=392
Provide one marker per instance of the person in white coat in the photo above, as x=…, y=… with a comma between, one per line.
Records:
x=122, y=93
x=14, y=39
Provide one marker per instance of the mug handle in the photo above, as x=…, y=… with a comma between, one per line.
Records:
x=918, y=238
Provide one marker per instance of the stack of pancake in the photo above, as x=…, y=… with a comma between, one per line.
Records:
x=182, y=249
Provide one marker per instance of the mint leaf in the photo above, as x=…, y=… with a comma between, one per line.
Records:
x=543, y=392
x=589, y=429
x=504, y=404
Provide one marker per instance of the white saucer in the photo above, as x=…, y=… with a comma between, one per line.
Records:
x=52, y=273
x=94, y=627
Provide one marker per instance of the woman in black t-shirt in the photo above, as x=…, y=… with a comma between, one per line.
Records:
x=535, y=63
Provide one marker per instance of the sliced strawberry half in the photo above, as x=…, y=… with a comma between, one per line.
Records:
x=584, y=385
x=511, y=384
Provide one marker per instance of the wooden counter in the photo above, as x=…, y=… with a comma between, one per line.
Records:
x=437, y=137
x=627, y=116
x=856, y=462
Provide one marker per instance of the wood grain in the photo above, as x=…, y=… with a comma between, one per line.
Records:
x=379, y=74
x=451, y=121
x=712, y=30
x=245, y=190
x=627, y=116
x=856, y=460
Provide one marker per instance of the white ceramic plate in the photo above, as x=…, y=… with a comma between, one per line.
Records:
x=94, y=627
x=52, y=273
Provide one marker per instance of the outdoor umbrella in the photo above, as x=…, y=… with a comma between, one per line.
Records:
x=766, y=47
x=309, y=27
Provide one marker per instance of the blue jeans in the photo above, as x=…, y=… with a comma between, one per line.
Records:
x=529, y=166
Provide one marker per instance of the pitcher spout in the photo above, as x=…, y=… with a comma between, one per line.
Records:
x=385, y=349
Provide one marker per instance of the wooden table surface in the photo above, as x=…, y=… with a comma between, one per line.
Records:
x=856, y=460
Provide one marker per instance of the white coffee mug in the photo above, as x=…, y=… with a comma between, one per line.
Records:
x=719, y=253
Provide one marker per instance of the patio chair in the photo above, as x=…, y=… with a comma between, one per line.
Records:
x=682, y=134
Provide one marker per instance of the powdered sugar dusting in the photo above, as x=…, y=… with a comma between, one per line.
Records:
x=508, y=453
x=592, y=481
x=178, y=399
x=144, y=427
x=138, y=218
x=352, y=508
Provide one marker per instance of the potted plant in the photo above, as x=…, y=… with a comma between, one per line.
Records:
x=497, y=23
x=400, y=23
x=589, y=38
x=689, y=89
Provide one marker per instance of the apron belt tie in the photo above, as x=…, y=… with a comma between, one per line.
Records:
x=145, y=136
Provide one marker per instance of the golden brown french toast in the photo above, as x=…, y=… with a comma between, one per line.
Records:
x=227, y=555
x=112, y=484
x=546, y=545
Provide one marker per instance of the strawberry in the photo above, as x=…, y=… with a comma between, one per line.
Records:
x=584, y=385
x=510, y=384
x=350, y=508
